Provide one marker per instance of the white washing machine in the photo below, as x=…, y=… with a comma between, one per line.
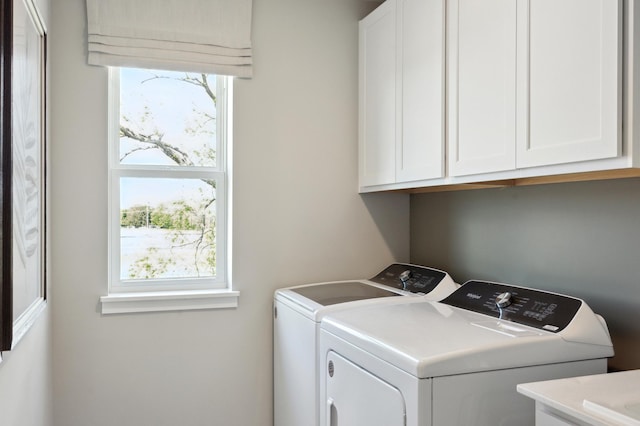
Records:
x=297, y=315
x=457, y=361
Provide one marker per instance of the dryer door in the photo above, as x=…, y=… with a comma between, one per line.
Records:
x=356, y=397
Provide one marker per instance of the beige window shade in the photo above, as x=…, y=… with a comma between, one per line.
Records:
x=212, y=36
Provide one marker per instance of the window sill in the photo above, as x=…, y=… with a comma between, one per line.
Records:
x=122, y=303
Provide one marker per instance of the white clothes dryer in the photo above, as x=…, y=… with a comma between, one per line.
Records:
x=297, y=315
x=457, y=361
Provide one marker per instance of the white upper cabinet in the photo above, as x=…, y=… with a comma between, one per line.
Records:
x=534, y=92
x=377, y=93
x=401, y=128
x=569, y=76
x=482, y=86
x=532, y=83
x=420, y=141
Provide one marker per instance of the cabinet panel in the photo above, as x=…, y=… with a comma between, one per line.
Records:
x=569, y=72
x=482, y=86
x=544, y=418
x=377, y=109
x=420, y=147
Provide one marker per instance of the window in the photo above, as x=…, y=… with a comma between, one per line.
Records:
x=168, y=188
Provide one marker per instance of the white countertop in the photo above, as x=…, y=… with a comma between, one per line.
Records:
x=601, y=399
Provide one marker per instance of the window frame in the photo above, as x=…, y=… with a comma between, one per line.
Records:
x=143, y=295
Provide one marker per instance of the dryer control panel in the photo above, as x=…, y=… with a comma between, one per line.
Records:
x=535, y=308
x=413, y=278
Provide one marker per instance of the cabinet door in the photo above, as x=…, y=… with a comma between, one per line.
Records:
x=420, y=137
x=569, y=65
x=481, y=86
x=377, y=86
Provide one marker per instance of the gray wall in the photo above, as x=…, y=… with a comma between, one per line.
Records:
x=581, y=239
x=297, y=218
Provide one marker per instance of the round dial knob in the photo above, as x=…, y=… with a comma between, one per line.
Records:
x=405, y=275
x=504, y=299
x=404, y=278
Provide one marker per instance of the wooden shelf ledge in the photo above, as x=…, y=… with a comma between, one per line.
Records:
x=537, y=180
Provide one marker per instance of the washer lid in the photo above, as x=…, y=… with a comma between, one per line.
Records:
x=341, y=292
x=315, y=300
x=430, y=339
x=398, y=279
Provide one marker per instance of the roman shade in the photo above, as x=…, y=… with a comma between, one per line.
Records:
x=212, y=36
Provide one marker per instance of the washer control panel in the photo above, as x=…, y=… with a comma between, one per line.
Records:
x=535, y=308
x=413, y=278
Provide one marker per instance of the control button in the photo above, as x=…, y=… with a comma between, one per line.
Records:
x=504, y=299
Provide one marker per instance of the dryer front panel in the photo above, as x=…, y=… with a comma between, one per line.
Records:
x=355, y=397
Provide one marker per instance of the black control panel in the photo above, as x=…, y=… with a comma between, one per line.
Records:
x=413, y=278
x=535, y=308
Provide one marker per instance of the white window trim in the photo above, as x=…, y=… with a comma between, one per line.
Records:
x=189, y=294
x=169, y=301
